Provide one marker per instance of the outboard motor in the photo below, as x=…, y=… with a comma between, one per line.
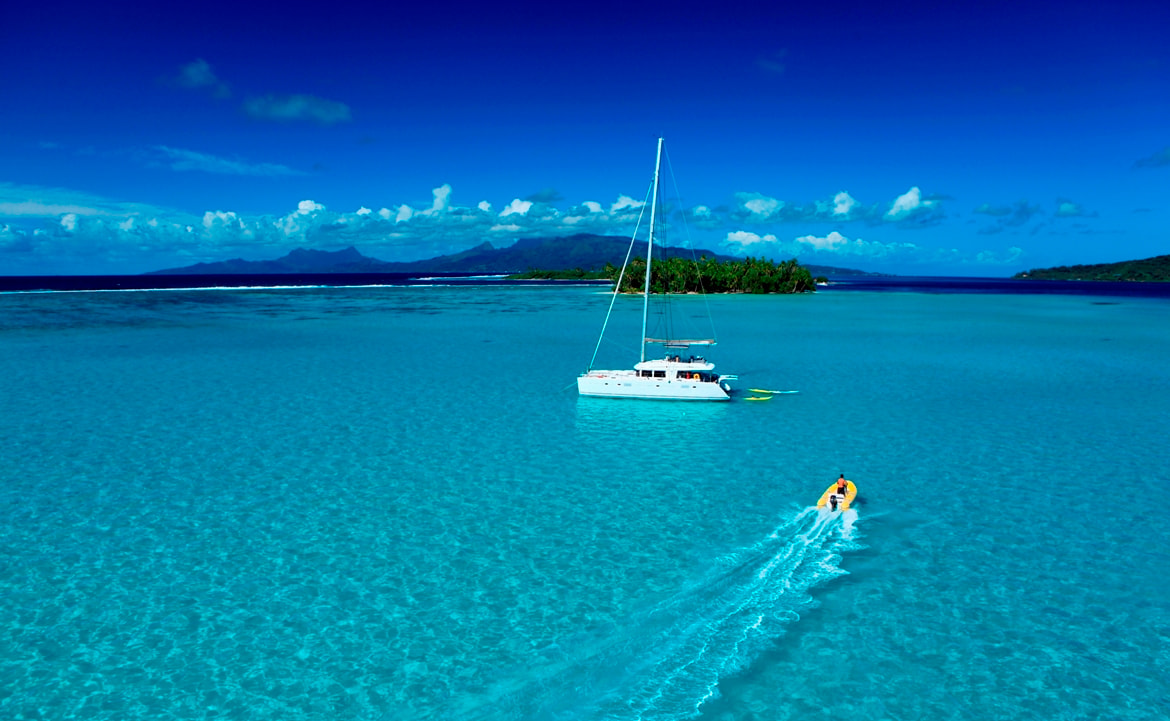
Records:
x=833, y=502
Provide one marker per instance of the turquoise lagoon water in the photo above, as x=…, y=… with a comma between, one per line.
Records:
x=389, y=503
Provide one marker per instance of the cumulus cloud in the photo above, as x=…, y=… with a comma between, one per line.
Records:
x=198, y=74
x=286, y=108
x=746, y=240
x=586, y=213
x=624, y=203
x=906, y=204
x=297, y=224
x=832, y=241
x=192, y=161
x=911, y=206
x=913, y=209
x=833, y=244
x=12, y=241
x=442, y=198
x=423, y=229
x=843, y=203
x=759, y=207
x=516, y=207
x=218, y=217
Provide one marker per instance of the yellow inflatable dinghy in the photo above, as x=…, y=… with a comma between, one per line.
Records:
x=842, y=502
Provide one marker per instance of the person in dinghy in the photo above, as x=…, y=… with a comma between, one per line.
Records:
x=838, y=496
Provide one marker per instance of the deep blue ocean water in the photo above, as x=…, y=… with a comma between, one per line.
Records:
x=389, y=503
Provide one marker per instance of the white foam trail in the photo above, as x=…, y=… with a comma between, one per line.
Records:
x=737, y=616
x=667, y=661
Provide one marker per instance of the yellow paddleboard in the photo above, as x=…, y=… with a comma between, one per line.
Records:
x=759, y=398
x=850, y=494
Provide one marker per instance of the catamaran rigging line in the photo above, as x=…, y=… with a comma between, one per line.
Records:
x=673, y=377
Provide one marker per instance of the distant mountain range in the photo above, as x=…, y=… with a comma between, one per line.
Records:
x=584, y=251
x=1147, y=269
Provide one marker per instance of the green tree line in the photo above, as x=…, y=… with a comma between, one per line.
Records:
x=1156, y=269
x=707, y=275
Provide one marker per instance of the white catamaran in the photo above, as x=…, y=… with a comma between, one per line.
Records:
x=680, y=375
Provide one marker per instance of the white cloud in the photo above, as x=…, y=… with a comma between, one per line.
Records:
x=908, y=204
x=298, y=223
x=843, y=203
x=625, y=202
x=442, y=198
x=72, y=224
x=746, y=239
x=833, y=244
x=11, y=240
x=517, y=207
x=213, y=218
x=760, y=207
x=832, y=241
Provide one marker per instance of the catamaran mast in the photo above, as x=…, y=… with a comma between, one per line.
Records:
x=650, y=248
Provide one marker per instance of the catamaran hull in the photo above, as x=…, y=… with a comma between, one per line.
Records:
x=619, y=384
x=673, y=378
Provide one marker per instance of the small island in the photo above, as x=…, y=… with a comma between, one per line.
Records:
x=1156, y=269
x=706, y=275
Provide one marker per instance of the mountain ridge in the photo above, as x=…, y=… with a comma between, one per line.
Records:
x=584, y=250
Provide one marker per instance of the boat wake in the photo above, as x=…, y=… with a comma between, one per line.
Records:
x=667, y=661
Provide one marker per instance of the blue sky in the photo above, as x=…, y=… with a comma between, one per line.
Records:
x=931, y=139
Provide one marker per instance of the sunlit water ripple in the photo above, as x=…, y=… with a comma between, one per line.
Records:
x=384, y=503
